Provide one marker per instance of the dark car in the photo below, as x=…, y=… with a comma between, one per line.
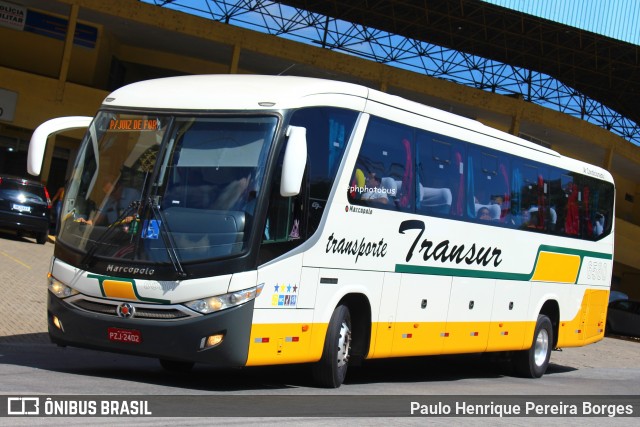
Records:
x=623, y=318
x=617, y=295
x=25, y=206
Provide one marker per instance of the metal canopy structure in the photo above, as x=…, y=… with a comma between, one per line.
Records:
x=586, y=75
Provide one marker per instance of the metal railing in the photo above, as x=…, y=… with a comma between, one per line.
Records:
x=273, y=18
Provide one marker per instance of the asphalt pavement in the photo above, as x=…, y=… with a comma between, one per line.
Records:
x=23, y=292
x=23, y=288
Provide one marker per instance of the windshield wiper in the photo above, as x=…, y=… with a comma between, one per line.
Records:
x=167, y=238
x=134, y=206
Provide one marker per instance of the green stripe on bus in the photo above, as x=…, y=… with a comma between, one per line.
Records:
x=127, y=280
x=483, y=274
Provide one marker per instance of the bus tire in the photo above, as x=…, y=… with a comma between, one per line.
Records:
x=533, y=363
x=331, y=370
x=176, y=366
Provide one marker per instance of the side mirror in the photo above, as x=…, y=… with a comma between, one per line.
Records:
x=295, y=160
x=39, y=138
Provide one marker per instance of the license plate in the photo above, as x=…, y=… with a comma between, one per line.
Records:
x=124, y=335
x=22, y=208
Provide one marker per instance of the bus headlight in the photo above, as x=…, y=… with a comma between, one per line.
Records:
x=59, y=289
x=220, y=302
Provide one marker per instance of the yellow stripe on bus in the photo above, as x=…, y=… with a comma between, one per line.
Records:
x=588, y=325
x=273, y=344
x=556, y=267
x=432, y=338
x=118, y=289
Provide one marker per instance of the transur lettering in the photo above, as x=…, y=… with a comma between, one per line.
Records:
x=444, y=252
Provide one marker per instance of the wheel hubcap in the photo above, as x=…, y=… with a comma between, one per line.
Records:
x=344, y=344
x=541, y=348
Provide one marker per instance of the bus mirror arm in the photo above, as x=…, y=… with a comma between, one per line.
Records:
x=39, y=138
x=295, y=160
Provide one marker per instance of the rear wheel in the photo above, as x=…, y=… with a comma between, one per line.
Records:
x=331, y=370
x=533, y=363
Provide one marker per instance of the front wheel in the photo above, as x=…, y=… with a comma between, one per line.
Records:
x=533, y=363
x=331, y=370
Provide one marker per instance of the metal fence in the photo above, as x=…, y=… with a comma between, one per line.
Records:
x=300, y=25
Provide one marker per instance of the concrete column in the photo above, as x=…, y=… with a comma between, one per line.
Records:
x=516, y=118
x=68, y=47
x=235, y=59
x=608, y=158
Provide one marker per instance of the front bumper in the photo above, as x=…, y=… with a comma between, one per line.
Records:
x=174, y=340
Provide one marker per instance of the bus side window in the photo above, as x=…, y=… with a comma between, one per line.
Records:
x=386, y=163
x=488, y=185
x=328, y=131
x=279, y=222
x=284, y=219
x=440, y=175
x=586, y=219
x=529, y=201
x=597, y=207
x=289, y=221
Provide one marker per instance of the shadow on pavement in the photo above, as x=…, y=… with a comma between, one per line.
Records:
x=35, y=350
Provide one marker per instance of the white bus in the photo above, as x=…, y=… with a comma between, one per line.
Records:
x=241, y=220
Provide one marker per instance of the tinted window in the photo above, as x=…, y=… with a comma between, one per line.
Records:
x=328, y=132
x=383, y=176
x=399, y=167
x=290, y=220
x=26, y=192
x=596, y=207
x=529, y=196
x=440, y=175
x=488, y=187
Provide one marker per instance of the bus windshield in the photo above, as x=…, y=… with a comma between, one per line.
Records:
x=163, y=188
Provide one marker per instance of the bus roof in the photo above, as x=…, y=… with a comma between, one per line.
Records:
x=455, y=120
x=251, y=92
x=256, y=92
x=227, y=92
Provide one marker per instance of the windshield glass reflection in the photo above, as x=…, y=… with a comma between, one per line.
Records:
x=145, y=187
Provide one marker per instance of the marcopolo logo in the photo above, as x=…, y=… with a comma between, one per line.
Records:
x=358, y=209
x=145, y=271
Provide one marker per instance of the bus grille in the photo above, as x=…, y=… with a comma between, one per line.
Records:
x=145, y=312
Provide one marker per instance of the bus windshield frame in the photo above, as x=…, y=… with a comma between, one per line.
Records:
x=160, y=188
